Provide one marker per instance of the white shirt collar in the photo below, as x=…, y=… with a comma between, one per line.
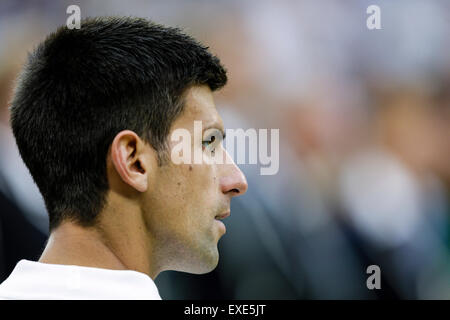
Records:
x=41, y=281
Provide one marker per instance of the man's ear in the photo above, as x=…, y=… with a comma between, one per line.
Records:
x=130, y=158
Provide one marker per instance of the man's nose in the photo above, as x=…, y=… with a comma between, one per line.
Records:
x=233, y=181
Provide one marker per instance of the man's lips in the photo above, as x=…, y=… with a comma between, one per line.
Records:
x=222, y=215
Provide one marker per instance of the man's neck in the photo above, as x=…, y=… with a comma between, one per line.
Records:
x=71, y=244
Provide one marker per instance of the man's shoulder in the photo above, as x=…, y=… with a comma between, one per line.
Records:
x=41, y=281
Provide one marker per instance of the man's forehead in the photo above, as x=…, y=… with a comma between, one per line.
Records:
x=200, y=106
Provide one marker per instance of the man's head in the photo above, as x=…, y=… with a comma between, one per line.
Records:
x=92, y=116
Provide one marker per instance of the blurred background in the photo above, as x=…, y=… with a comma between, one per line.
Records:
x=364, y=119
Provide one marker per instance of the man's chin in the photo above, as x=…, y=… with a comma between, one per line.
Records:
x=206, y=264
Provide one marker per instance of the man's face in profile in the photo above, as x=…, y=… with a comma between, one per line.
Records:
x=184, y=202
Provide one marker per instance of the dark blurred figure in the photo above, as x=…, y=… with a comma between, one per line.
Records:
x=19, y=239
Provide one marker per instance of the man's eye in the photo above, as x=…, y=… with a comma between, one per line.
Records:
x=207, y=143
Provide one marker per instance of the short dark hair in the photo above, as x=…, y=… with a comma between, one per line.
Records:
x=79, y=88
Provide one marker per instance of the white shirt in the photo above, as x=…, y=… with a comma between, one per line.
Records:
x=42, y=281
